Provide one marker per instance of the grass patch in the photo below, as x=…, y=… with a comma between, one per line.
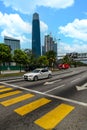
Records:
x=11, y=74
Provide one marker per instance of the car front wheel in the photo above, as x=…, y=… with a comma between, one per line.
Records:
x=49, y=76
x=35, y=78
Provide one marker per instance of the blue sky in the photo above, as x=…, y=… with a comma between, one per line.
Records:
x=63, y=19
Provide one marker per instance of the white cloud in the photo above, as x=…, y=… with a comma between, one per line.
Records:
x=76, y=46
x=13, y=25
x=29, y=6
x=43, y=26
x=77, y=29
x=55, y=4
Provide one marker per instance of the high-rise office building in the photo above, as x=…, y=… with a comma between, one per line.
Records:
x=12, y=43
x=49, y=44
x=36, y=43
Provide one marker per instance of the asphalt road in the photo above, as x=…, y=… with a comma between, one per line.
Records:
x=58, y=103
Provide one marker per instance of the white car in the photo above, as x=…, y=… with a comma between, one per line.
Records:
x=38, y=74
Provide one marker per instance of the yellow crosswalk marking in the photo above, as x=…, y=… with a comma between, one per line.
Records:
x=2, y=86
x=10, y=93
x=5, y=89
x=31, y=106
x=52, y=118
x=16, y=100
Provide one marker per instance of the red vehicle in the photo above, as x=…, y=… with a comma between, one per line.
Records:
x=63, y=66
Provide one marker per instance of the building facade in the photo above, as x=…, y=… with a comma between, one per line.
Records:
x=49, y=44
x=12, y=43
x=36, y=42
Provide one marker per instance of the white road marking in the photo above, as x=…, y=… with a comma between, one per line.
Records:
x=49, y=95
x=15, y=86
x=83, y=76
x=46, y=83
x=83, y=87
x=68, y=100
x=55, y=88
x=13, y=80
x=75, y=80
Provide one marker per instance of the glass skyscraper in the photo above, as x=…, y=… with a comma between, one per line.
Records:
x=12, y=43
x=36, y=43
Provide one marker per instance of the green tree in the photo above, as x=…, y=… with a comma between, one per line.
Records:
x=42, y=60
x=21, y=58
x=51, y=56
x=5, y=54
x=33, y=61
x=67, y=59
x=29, y=54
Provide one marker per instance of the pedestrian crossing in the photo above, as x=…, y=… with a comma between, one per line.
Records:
x=31, y=106
x=55, y=116
x=16, y=100
x=2, y=86
x=10, y=94
x=5, y=89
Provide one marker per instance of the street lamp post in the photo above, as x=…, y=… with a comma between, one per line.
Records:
x=58, y=47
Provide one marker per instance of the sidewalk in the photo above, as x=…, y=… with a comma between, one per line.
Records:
x=11, y=71
x=10, y=77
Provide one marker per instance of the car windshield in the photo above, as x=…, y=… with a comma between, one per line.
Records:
x=36, y=71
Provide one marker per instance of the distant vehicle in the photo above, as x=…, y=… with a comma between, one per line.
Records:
x=38, y=74
x=63, y=66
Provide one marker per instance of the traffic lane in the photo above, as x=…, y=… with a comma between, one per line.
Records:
x=61, y=73
x=44, y=85
x=71, y=80
x=20, y=78
x=48, y=85
x=65, y=88
x=54, y=78
x=69, y=90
